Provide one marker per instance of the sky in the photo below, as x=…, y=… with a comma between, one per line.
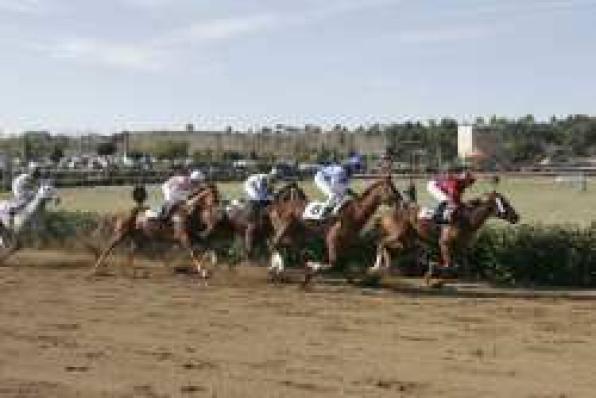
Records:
x=104, y=66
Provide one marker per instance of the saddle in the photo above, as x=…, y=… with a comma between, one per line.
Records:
x=162, y=213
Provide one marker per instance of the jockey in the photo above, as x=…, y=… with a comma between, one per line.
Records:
x=334, y=181
x=259, y=187
x=25, y=185
x=177, y=189
x=448, y=191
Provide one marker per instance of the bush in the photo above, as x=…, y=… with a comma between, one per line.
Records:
x=61, y=229
x=524, y=255
x=536, y=255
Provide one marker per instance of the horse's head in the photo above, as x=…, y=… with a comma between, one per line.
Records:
x=211, y=195
x=290, y=191
x=503, y=209
x=47, y=192
x=389, y=193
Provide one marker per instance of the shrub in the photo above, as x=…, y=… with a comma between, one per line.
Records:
x=536, y=255
x=524, y=255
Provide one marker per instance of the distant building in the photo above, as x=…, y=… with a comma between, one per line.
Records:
x=478, y=143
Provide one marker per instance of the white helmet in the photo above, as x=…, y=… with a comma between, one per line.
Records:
x=274, y=174
x=33, y=166
x=197, y=176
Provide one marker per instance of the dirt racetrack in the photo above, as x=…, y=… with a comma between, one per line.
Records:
x=64, y=336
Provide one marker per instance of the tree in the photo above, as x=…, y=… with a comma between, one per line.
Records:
x=57, y=154
x=106, y=148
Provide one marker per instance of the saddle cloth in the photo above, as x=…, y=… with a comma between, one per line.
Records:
x=426, y=213
x=315, y=210
x=152, y=213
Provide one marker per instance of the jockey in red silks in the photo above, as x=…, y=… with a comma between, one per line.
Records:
x=448, y=191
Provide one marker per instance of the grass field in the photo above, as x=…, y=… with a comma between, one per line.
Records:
x=538, y=200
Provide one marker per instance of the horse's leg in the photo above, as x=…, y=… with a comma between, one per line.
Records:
x=184, y=239
x=10, y=251
x=249, y=233
x=280, y=233
x=276, y=266
x=331, y=240
x=132, y=251
x=116, y=239
x=380, y=258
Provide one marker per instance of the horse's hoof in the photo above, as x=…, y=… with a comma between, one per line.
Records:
x=437, y=284
x=97, y=274
x=447, y=272
x=205, y=274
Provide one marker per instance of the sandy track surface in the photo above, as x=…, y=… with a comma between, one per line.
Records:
x=64, y=336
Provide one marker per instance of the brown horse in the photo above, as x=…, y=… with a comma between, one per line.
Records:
x=248, y=226
x=186, y=219
x=338, y=232
x=404, y=229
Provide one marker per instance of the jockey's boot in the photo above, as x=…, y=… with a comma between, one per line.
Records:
x=164, y=213
x=448, y=214
x=440, y=212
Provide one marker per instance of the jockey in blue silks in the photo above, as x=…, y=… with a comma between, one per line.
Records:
x=334, y=181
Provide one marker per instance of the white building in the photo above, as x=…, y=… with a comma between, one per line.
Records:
x=477, y=142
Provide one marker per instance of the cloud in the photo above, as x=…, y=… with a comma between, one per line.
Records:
x=155, y=53
x=526, y=8
x=440, y=35
x=222, y=29
x=111, y=54
x=147, y=3
x=21, y=6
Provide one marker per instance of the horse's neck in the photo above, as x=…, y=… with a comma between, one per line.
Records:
x=479, y=215
x=196, y=201
x=365, y=206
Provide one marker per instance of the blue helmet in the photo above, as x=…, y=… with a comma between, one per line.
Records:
x=353, y=164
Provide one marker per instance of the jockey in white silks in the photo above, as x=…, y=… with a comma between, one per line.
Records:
x=25, y=186
x=177, y=189
x=334, y=181
x=259, y=187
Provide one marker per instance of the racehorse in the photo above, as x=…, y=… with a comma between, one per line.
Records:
x=141, y=225
x=14, y=218
x=338, y=231
x=248, y=225
x=408, y=226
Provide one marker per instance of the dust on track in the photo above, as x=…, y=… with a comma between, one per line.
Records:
x=63, y=335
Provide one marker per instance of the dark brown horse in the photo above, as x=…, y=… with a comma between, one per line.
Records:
x=338, y=232
x=186, y=219
x=404, y=229
x=239, y=222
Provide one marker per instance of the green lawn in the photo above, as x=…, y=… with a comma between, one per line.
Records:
x=537, y=200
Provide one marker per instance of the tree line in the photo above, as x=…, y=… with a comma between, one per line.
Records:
x=522, y=140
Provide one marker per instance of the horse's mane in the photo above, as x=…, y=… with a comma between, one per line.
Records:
x=482, y=199
x=287, y=187
x=372, y=186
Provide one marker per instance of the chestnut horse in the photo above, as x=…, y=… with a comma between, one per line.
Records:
x=238, y=222
x=404, y=229
x=140, y=228
x=338, y=232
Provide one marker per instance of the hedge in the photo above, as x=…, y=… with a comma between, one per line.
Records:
x=563, y=255
x=555, y=255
